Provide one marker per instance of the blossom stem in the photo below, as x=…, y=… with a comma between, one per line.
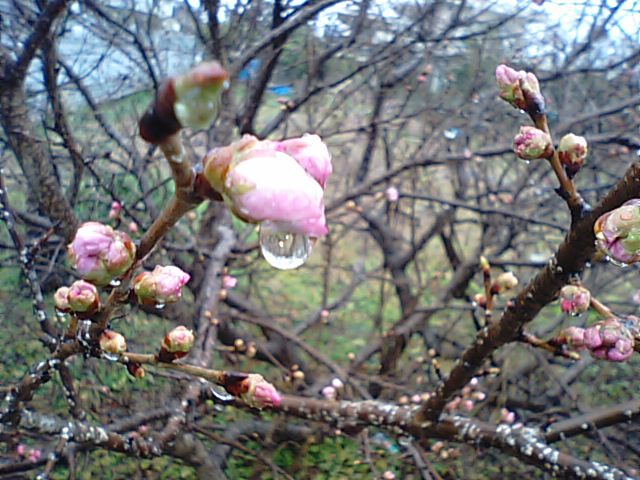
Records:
x=601, y=308
x=174, y=152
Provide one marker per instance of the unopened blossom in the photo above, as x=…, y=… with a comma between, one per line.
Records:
x=574, y=299
x=504, y=282
x=618, y=233
x=311, y=153
x=229, y=282
x=113, y=342
x=133, y=227
x=161, y=286
x=611, y=339
x=259, y=393
x=480, y=299
x=116, y=208
x=188, y=100
x=61, y=299
x=83, y=297
x=261, y=183
x=519, y=88
x=507, y=416
x=572, y=152
x=329, y=392
x=532, y=143
x=180, y=339
x=392, y=194
x=388, y=475
x=99, y=253
x=34, y=455
x=509, y=89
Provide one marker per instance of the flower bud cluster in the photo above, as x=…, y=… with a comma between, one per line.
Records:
x=574, y=299
x=618, y=233
x=161, y=286
x=469, y=395
x=611, y=339
x=81, y=298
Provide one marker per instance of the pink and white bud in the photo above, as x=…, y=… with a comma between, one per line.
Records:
x=329, y=392
x=161, y=286
x=34, y=455
x=262, y=184
x=388, y=475
x=392, y=194
x=116, y=208
x=259, y=393
x=572, y=336
x=178, y=340
x=509, y=89
x=61, y=299
x=532, y=143
x=612, y=339
x=504, y=282
x=572, y=152
x=229, y=282
x=574, y=299
x=507, y=416
x=21, y=449
x=133, y=227
x=83, y=297
x=311, y=153
x=618, y=233
x=99, y=253
x=112, y=342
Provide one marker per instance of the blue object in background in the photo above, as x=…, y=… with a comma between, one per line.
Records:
x=250, y=70
x=281, y=90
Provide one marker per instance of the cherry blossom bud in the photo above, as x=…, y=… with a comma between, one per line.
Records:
x=467, y=405
x=480, y=300
x=572, y=336
x=532, y=143
x=112, y=342
x=176, y=344
x=574, y=299
x=612, y=339
x=161, y=286
x=572, y=152
x=135, y=369
x=133, y=227
x=392, y=194
x=507, y=416
x=263, y=184
x=228, y=281
x=388, y=475
x=61, y=299
x=329, y=392
x=21, y=449
x=312, y=155
x=504, y=282
x=532, y=94
x=189, y=100
x=116, y=208
x=83, y=297
x=99, y=253
x=34, y=455
x=337, y=383
x=259, y=393
x=509, y=89
x=618, y=233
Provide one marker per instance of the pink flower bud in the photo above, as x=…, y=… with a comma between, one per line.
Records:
x=507, y=416
x=61, y=299
x=178, y=341
x=572, y=336
x=100, y=254
x=21, y=449
x=574, y=299
x=116, y=208
x=572, y=152
x=83, y=297
x=504, y=282
x=34, y=455
x=259, y=393
x=388, y=475
x=262, y=184
x=112, y=342
x=509, y=89
x=329, y=392
x=392, y=194
x=531, y=144
x=229, y=281
x=467, y=405
x=618, y=233
x=133, y=227
x=312, y=155
x=611, y=339
x=161, y=286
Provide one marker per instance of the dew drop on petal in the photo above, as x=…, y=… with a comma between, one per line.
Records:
x=283, y=250
x=159, y=306
x=115, y=282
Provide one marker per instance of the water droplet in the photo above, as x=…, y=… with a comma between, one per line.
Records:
x=283, y=250
x=615, y=262
x=159, y=306
x=111, y=356
x=527, y=162
x=115, y=282
x=451, y=133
